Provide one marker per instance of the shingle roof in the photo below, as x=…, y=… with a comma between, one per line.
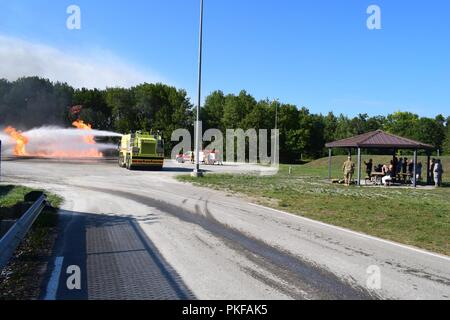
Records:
x=378, y=140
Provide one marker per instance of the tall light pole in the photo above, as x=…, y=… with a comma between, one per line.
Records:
x=197, y=171
x=276, y=127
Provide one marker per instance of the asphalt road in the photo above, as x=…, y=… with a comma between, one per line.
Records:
x=144, y=235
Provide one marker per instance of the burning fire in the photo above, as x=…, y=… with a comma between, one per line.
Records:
x=20, y=139
x=83, y=126
x=92, y=153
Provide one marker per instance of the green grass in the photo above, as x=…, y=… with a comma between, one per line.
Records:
x=12, y=204
x=21, y=279
x=414, y=217
x=11, y=195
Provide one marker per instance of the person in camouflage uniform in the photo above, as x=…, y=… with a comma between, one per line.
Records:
x=348, y=168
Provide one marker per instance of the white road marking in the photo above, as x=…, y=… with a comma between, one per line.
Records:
x=436, y=255
x=52, y=286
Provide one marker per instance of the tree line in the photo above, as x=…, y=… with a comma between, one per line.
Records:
x=31, y=102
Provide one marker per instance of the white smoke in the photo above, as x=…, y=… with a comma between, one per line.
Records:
x=7, y=142
x=97, y=69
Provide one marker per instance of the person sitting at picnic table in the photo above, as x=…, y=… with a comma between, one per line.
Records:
x=389, y=172
x=369, y=167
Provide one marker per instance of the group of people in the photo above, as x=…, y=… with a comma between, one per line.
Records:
x=397, y=169
x=207, y=157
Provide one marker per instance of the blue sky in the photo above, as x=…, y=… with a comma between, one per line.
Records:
x=317, y=54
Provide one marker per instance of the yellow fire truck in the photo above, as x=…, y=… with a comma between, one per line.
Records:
x=141, y=150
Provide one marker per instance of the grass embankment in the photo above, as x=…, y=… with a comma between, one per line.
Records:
x=414, y=217
x=21, y=279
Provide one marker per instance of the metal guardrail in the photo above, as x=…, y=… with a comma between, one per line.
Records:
x=15, y=235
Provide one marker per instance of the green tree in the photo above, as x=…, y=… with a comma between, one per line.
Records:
x=290, y=149
x=212, y=111
x=95, y=110
x=431, y=131
x=32, y=101
x=403, y=124
x=330, y=125
x=162, y=108
x=123, y=108
x=446, y=146
x=235, y=110
x=344, y=128
x=375, y=123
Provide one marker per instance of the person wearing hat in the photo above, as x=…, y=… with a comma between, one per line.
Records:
x=348, y=168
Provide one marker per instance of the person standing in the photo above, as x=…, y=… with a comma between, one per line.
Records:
x=411, y=168
x=432, y=163
x=438, y=171
x=419, y=171
x=404, y=168
x=399, y=166
x=369, y=168
x=349, y=169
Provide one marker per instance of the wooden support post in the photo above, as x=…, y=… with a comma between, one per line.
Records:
x=415, y=170
x=359, y=167
x=428, y=168
x=330, y=153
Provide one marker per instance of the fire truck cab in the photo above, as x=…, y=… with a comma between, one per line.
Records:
x=141, y=150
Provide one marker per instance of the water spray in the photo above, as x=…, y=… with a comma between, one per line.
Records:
x=56, y=142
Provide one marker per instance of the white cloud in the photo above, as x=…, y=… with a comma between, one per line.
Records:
x=96, y=69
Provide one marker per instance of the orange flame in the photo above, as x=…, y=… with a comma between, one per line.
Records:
x=20, y=139
x=88, y=139
x=83, y=126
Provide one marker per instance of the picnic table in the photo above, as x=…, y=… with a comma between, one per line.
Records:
x=376, y=177
x=404, y=177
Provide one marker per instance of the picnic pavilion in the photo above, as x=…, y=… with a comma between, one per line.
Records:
x=380, y=140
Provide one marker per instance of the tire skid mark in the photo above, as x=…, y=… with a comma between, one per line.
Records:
x=318, y=282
